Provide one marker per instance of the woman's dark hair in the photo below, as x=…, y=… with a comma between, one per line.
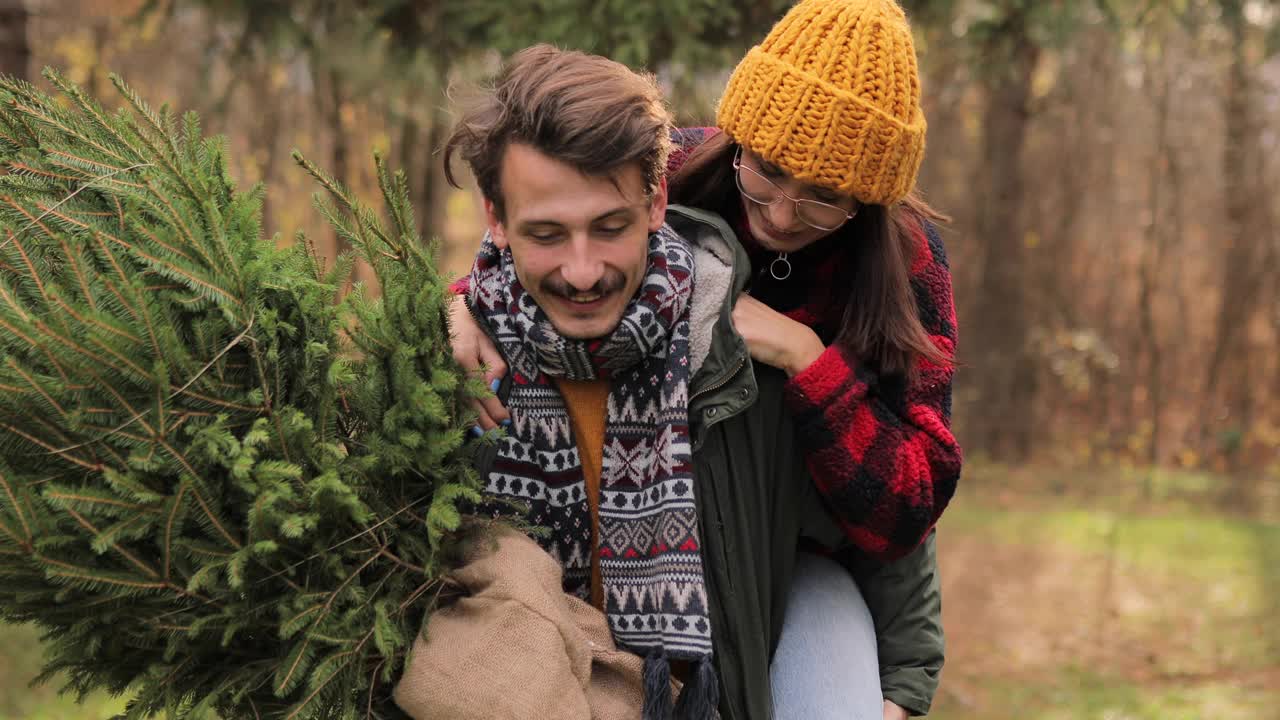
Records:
x=881, y=322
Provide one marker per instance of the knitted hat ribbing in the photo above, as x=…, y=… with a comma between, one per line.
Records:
x=832, y=96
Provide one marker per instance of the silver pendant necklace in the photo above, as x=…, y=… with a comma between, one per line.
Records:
x=780, y=268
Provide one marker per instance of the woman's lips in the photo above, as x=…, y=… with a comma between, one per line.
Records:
x=770, y=232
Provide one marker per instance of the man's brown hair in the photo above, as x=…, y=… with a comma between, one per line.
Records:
x=584, y=110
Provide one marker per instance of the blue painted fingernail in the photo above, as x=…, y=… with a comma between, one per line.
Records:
x=477, y=431
x=506, y=423
x=493, y=386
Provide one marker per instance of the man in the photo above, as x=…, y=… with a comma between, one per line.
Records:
x=661, y=459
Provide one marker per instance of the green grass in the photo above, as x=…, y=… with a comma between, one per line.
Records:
x=1076, y=695
x=1199, y=546
x=1161, y=523
x=20, y=661
x=1206, y=622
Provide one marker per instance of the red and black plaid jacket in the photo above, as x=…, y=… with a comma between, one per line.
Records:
x=879, y=448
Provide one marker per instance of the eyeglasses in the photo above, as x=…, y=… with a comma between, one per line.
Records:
x=761, y=190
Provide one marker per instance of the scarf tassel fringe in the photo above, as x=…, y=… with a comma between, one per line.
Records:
x=699, y=698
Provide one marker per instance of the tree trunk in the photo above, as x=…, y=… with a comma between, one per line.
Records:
x=1240, y=278
x=1274, y=304
x=1105, y=68
x=431, y=189
x=1163, y=163
x=1005, y=372
x=340, y=160
x=329, y=99
x=420, y=156
x=267, y=140
x=435, y=187
x=15, y=50
x=412, y=157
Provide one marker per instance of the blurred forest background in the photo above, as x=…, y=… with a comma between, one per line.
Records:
x=1113, y=173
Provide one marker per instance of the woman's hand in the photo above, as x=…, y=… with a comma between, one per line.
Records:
x=775, y=339
x=894, y=712
x=476, y=353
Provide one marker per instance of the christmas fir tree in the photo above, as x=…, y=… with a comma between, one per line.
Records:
x=223, y=490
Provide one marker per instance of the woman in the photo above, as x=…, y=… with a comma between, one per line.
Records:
x=819, y=140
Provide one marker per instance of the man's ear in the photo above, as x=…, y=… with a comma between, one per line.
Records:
x=497, y=230
x=658, y=206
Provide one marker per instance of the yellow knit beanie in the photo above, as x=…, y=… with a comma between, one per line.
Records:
x=832, y=96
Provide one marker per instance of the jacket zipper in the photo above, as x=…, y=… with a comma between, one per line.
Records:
x=721, y=383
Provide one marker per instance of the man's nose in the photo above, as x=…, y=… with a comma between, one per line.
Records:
x=582, y=269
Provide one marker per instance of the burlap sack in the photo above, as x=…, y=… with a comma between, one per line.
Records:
x=518, y=647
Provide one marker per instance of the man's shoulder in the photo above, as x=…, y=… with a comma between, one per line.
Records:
x=719, y=263
x=690, y=223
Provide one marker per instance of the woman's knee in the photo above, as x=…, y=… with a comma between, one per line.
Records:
x=826, y=592
x=826, y=665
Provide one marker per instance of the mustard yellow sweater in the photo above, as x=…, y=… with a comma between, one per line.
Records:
x=588, y=405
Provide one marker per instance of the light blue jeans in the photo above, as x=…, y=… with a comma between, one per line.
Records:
x=826, y=666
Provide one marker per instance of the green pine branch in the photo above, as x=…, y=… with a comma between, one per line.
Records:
x=222, y=488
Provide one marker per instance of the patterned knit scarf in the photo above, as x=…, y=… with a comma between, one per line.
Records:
x=650, y=559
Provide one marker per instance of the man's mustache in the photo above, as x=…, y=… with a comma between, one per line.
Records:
x=610, y=282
